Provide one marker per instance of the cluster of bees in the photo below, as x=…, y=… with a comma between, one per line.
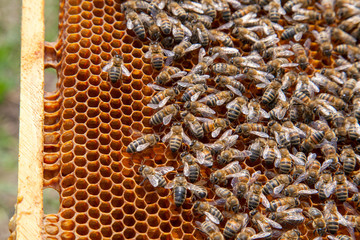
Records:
x=265, y=104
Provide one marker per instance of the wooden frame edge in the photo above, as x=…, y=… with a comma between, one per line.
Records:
x=29, y=210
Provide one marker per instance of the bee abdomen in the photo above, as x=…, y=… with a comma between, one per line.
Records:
x=179, y=195
x=114, y=74
x=216, y=213
x=175, y=143
x=139, y=30
x=162, y=182
x=332, y=225
x=288, y=33
x=233, y=113
x=342, y=193
x=156, y=118
x=349, y=165
x=194, y=171
x=253, y=202
x=158, y=62
x=131, y=148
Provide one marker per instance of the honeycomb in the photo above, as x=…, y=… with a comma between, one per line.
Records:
x=90, y=121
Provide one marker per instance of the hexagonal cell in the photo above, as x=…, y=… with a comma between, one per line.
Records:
x=153, y=233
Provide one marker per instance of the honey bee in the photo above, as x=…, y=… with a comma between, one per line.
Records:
x=280, y=109
x=211, y=230
x=192, y=79
x=242, y=33
x=271, y=152
x=226, y=69
x=352, y=52
x=162, y=97
x=287, y=161
x=275, y=185
x=299, y=190
x=180, y=186
x=329, y=151
x=305, y=85
x=254, y=111
x=275, y=11
x=167, y=74
x=349, y=159
x=163, y=22
x=328, y=12
x=150, y=25
x=245, y=10
x=313, y=170
x=341, y=237
x=354, y=218
x=116, y=69
x=356, y=106
x=350, y=69
x=225, y=141
x=309, y=143
x=282, y=204
x=288, y=6
x=209, y=8
x=193, y=92
x=296, y=31
x=229, y=81
x=229, y=171
x=333, y=218
x=241, y=183
x=177, y=10
x=256, y=75
x=263, y=223
x=272, y=91
x=278, y=65
x=336, y=102
x=215, y=126
x=235, y=108
x=339, y=35
x=204, y=19
x=291, y=216
x=135, y=5
x=347, y=92
x=231, y=154
x=352, y=128
x=258, y=129
x=199, y=191
x=218, y=99
x=301, y=53
x=282, y=137
x=134, y=22
x=192, y=6
x=155, y=175
x=211, y=212
x=203, y=153
x=293, y=234
x=246, y=61
x=225, y=52
x=324, y=185
x=191, y=168
x=228, y=198
x=179, y=31
x=343, y=186
x=250, y=233
x=142, y=143
x=176, y=136
x=184, y=47
x=223, y=38
x=202, y=34
x=305, y=15
x=193, y=124
x=333, y=75
x=235, y=224
x=326, y=84
x=299, y=169
x=317, y=220
x=278, y=52
x=261, y=45
x=164, y=115
x=295, y=134
x=288, y=80
x=254, y=195
x=156, y=53
x=196, y=107
x=256, y=148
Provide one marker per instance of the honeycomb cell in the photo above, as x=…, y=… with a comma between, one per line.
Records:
x=67, y=225
x=119, y=201
x=153, y=233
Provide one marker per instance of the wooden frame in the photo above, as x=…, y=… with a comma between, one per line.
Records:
x=29, y=211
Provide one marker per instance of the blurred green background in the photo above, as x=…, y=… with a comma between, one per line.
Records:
x=10, y=24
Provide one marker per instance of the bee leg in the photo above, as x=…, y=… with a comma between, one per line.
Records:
x=142, y=181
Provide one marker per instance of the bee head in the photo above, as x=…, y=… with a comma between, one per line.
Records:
x=183, y=114
x=176, y=124
x=176, y=90
x=253, y=212
x=141, y=168
x=196, y=204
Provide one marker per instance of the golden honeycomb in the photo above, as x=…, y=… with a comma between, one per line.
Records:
x=90, y=121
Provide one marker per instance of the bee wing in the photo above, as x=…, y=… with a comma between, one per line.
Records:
x=186, y=169
x=279, y=188
x=235, y=165
x=298, y=36
x=168, y=53
x=243, y=154
x=107, y=66
x=281, y=96
x=216, y=132
x=282, y=208
x=245, y=110
x=262, y=85
x=220, y=102
x=329, y=188
x=316, y=35
x=277, y=162
x=184, y=84
x=148, y=54
x=264, y=114
x=266, y=151
x=265, y=202
x=251, y=38
x=300, y=17
x=319, y=184
x=142, y=147
x=350, y=208
x=200, y=35
x=170, y=185
x=226, y=26
x=125, y=71
x=326, y=164
x=187, y=31
x=212, y=218
x=231, y=104
x=273, y=223
x=352, y=187
x=301, y=178
x=260, y=134
x=153, y=180
x=186, y=139
x=153, y=106
x=193, y=47
x=298, y=161
x=195, y=96
x=308, y=192
x=158, y=22
x=129, y=24
x=260, y=235
x=167, y=119
x=163, y=102
x=271, y=40
x=206, y=111
x=167, y=136
x=294, y=210
x=164, y=170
